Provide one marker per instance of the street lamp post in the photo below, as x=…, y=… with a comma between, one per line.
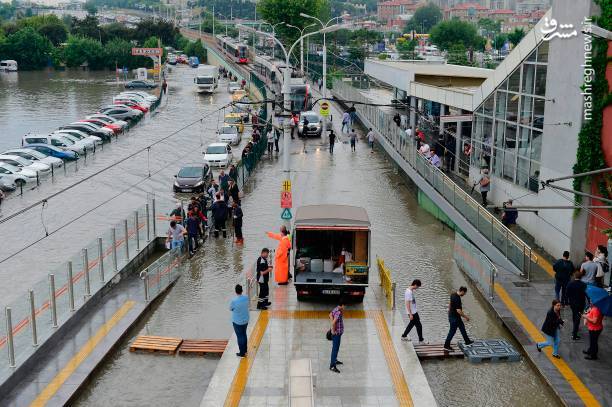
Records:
x=301, y=43
x=324, y=27
x=273, y=32
x=287, y=86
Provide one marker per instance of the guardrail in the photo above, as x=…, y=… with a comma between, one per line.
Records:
x=34, y=317
x=387, y=284
x=475, y=264
x=508, y=243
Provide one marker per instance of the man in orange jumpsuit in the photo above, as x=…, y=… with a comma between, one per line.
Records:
x=281, y=258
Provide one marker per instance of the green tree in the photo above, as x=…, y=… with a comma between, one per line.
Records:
x=118, y=53
x=487, y=24
x=516, y=36
x=151, y=42
x=91, y=8
x=277, y=11
x=406, y=48
x=30, y=49
x=162, y=29
x=118, y=30
x=56, y=32
x=80, y=50
x=457, y=55
x=445, y=34
x=87, y=27
x=500, y=40
x=357, y=53
x=424, y=18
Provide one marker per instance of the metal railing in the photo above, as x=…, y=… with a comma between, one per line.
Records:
x=34, y=317
x=509, y=244
x=475, y=264
x=386, y=282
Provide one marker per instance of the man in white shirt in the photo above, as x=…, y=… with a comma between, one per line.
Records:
x=371, y=138
x=411, y=310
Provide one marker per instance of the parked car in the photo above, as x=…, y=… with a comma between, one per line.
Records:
x=140, y=84
x=121, y=113
x=129, y=103
x=234, y=119
x=315, y=124
x=108, y=119
x=7, y=183
x=119, y=99
x=25, y=164
x=116, y=128
x=233, y=87
x=144, y=95
x=193, y=178
x=218, y=155
x=90, y=129
x=229, y=134
x=52, y=151
x=33, y=155
x=79, y=138
x=56, y=140
x=243, y=111
x=18, y=175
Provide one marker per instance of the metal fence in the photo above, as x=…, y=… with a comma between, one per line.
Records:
x=508, y=243
x=475, y=264
x=386, y=282
x=34, y=316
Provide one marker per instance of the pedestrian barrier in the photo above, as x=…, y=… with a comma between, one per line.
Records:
x=387, y=284
x=475, y=264
x=508, y=243
x=32, y=318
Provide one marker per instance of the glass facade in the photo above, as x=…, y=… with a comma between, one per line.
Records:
x=507, y=126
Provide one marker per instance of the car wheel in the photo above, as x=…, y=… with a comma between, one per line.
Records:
x=19, y=182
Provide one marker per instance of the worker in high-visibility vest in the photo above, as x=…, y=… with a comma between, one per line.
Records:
x=281, y=257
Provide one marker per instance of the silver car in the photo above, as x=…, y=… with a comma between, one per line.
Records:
x=121, y=113
x=313, y=127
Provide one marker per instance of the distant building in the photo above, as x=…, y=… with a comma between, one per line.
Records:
x=466, y=12
x=393, y=9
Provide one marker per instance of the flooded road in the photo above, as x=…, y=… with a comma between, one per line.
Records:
x=412, y=243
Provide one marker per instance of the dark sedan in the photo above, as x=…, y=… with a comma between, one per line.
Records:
x=140, y=84
x=193, y=178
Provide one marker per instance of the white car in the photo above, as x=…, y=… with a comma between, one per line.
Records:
x=18, y=175
x=55, y=140
x=86, y=144
x=24, y=163
x=144, y=95
x=34, y=155
x=229, y=134
x=218, y=155
x=233, y=87
x=83, y=137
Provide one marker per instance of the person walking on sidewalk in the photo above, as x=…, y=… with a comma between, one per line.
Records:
x=550, y=328
x=413, y=313
x=332, y=140
x=270, y=137
x=263, y=277
x=594, y=322
x=576, y=296
x=353, y=139
x=240, y=319
x=485, y=186
x=337, y=329
x=346, y=122
x=563, y=269
x=164, y=87
x=237, y=216
x=455, y=313
x=370, y=137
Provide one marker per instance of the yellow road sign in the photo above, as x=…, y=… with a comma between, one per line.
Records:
x=286, y=185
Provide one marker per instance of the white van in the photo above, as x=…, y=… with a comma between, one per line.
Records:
x=8, y=65
x=52, y=139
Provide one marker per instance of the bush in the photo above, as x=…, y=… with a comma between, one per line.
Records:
x=30, y=49
x=80, y=50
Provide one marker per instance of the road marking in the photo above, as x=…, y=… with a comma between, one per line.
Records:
x=397, y=374
x=244, y=368
x=568, y=374
x=56, y=383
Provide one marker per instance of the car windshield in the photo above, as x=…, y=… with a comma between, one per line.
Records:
x=228, y=130
x=10, y=167
x=190, y=172
x=216, y=150
x=65, y=140
x=204, y=80
x=312, y=118
x=233, y=120
x=20, y=160
x=35, y=154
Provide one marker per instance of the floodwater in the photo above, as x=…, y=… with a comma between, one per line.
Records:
x=412, y=243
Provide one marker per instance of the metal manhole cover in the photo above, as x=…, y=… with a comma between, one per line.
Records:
x=521, y=284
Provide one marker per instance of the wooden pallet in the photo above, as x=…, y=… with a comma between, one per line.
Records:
x=202, y=346
x=156, y=344
x=436, y=351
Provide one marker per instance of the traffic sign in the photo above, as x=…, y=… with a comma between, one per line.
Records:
x=324, y=110
x=286, y=200
x=286, y=185
x=286, y=215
